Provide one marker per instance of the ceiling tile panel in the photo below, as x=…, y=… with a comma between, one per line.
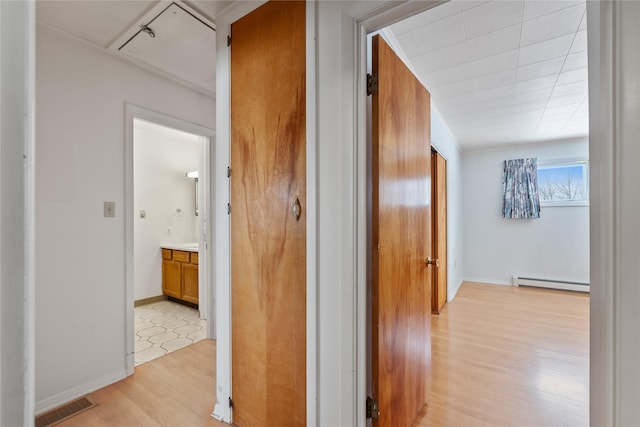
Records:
x=571, y=89
x=448, y=75
x=577, y=75
x=496, y=42
x=490, y=17
x=456, y=89
x=420, y=20
x=470, y=4
x=434, y=36
x=546, y=82
x=532, y=96
x=495, y=63
x=583, y=23
x=558, y=101
x=442, y=58
x=545, y=50
x=456, y=100
x=540, y=69
x=580, y=42
x=496, y=92
x=536, y=8
x=556, y=24
x=494, y=80
x=575, y=60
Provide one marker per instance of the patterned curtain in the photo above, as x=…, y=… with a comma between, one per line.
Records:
x=520, y=189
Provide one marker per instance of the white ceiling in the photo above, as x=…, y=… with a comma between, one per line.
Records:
x=183, y=49
x=502, y=72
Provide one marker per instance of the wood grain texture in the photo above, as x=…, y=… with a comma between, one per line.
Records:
x=268, y=140
x=401, y=229
x=175, y=390
x=510, y=357
x=190, y=283
x=439, y=198
x=171, y=271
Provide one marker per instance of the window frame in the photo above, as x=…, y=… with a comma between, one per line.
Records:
x=559, y=163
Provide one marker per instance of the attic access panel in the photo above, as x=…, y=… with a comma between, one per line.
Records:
x=178, y=43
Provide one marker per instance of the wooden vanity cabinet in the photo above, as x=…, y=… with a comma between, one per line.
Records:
x=180, y=275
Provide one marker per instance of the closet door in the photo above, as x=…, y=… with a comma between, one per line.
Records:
x=439, y=205
x=268, y=211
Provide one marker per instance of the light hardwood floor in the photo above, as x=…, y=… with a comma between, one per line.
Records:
x=175, y=390
x=501, y=356
x=505, y=356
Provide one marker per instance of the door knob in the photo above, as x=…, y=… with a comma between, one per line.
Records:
x=297, y=209
x=435, y=262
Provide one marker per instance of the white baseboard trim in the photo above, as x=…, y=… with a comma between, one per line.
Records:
x=488, y=281
x=59, y=399
x=452, y=295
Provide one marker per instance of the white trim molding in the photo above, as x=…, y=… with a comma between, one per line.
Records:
x=614, y=67
x=78, y=391
x=136, y=112
x=222, y=196
x=17, y=213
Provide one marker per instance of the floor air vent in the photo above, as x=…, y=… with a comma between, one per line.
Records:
x=64, y=412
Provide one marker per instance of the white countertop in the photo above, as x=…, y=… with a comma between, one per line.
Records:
x=190, y=247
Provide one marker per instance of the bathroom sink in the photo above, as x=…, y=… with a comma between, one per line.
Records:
x=193, y=247
x=190, y=246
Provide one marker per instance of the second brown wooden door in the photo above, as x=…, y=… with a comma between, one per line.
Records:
x=401, y=235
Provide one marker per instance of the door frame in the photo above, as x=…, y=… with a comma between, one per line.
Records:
x=206, y=263
x=603, y=34
x=357, y=20
x=225, y=18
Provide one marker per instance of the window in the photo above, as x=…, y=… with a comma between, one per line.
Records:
x=564, y=184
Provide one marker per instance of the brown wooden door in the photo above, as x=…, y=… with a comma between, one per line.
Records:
x=439, y=203
x=268, y=255
x=401, y=234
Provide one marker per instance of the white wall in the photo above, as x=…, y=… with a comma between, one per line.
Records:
x=80, y=286
x=447, y=146
x=555, y=246
x=162, y=156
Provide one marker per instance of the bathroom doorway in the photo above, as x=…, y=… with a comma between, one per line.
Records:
x=168, y=212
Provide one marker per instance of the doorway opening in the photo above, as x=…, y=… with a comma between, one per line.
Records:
x=170, y=293
x=453, y=92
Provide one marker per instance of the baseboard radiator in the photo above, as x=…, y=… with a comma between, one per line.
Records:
x=550, y=284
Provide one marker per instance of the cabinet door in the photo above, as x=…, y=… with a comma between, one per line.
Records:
x=190, y=283
x=171, y=278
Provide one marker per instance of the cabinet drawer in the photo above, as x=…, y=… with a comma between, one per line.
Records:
x=194, y=257
x=181, y=256
x=166, y=253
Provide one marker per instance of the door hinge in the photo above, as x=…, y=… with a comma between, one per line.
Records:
x=228, y=40
x=372, y=84
x=230, y=402
x=228, y=172
x=228, y=208
x=372, y=408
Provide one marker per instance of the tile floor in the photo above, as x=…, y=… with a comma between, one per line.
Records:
x=165, y=326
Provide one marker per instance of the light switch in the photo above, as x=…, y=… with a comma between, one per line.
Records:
x=109, y=209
